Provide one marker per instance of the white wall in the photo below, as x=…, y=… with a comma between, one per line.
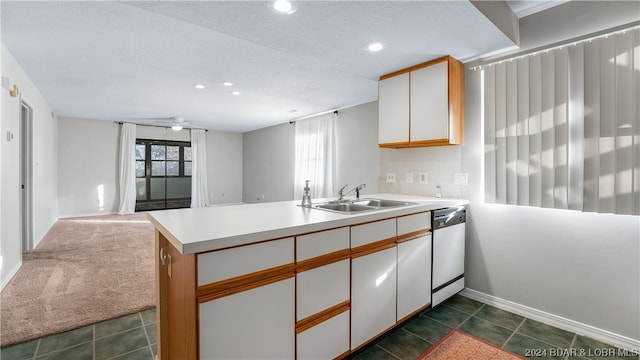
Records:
x=224, y=164
x=268, y=164
x=88, y=168
x=45, y=162
x=269, y=158
x=88, y=151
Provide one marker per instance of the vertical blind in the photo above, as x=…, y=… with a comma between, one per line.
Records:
x=562, y=127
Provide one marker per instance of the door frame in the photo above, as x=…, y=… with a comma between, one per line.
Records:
x=26, y=176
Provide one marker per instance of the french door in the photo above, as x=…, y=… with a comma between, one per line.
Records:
x=163, y=174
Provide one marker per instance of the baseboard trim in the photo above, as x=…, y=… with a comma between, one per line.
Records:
x=560, y=322
x=68, y=216
x=10, y=275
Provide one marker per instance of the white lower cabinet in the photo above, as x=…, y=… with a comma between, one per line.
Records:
x=321, y=288
x=373, y=295
x=253, y=324
x=414, y=275
x=326, y=340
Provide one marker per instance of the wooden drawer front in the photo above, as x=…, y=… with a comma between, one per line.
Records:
x=321, y=288
x=413, y=223
x=372, y=232
x=327, y=340
x=225, y=264
x=321, y=243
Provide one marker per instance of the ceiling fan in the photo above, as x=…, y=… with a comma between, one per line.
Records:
x=176, y=123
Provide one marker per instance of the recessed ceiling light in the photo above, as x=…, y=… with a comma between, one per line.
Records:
x=236, y=93
x=199, y=86
x=227, y=83
x=375, y=46
x=285, y=6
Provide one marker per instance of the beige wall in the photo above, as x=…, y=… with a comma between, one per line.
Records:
x=88, y=167
x=269, y=158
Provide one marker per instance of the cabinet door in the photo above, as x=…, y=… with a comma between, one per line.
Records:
x=327, y=340
x=414, y=275
x=253, y=324
x=393, y=109
x=430, y=102
x=321, y=288
x=373, y=295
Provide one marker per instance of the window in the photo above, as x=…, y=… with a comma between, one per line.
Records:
x=163, y=174
x=561, y=127
x=315, y=155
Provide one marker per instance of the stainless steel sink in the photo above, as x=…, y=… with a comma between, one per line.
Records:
x=362, y=205
x=383, y=203
x=345, y=208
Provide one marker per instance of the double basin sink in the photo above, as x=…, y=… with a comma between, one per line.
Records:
x=361, y=205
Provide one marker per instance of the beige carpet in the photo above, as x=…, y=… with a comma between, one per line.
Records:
x=84, y=271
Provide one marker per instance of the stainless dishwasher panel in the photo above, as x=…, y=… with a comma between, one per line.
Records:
x=448, y=253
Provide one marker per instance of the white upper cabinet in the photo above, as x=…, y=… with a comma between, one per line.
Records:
x=394, y=109
x=422, y=105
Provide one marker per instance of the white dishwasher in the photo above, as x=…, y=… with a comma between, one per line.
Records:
x=448, y=253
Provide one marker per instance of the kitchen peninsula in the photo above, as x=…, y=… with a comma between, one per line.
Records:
x=279, y=281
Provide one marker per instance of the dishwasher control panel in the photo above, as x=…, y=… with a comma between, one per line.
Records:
x=448, y=217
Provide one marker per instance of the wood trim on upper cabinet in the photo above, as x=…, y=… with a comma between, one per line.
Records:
x=373, y=247
x=244, y=282
x=416, y=67
x=456, y=102
x=319, y=261
x=413, y=235
x=324, y=315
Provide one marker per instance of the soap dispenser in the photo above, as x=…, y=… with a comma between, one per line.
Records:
x=306, y=197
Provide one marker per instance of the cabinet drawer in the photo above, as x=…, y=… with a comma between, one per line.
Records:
x=229, y=263
x=326, y=340
x=412, y=223
x=321, y=243
x=321, y=288
x=372, y=232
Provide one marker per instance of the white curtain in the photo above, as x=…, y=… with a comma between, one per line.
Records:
x=562, y=127
x=315, y=155
x=127, y=171
x=199, y=190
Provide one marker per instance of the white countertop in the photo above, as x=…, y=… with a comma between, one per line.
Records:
x=199, y=230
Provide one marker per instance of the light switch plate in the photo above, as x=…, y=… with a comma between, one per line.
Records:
x=461, y=178
x=391, y=177
x=408, y=177
x=423, y=177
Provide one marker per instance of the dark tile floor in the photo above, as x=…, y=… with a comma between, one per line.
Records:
x=515, y=333
x=133, y=337
x=130, y=337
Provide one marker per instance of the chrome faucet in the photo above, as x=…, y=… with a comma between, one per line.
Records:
x=357, y=189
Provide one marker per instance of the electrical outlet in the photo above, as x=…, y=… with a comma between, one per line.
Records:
x=423, y=177
x=391, y=177
x=408, y=177
x=461, y=178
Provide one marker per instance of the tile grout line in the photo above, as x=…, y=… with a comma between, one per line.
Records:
x=387, y=351
x=573, y=341
x=469, y=317
x=93, y=343
x=514, y=332
x=35, y=353
x=146, y=334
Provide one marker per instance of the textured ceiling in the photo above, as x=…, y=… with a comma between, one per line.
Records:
x=138, y=61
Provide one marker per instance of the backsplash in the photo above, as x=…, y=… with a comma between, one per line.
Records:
x=440, y=163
